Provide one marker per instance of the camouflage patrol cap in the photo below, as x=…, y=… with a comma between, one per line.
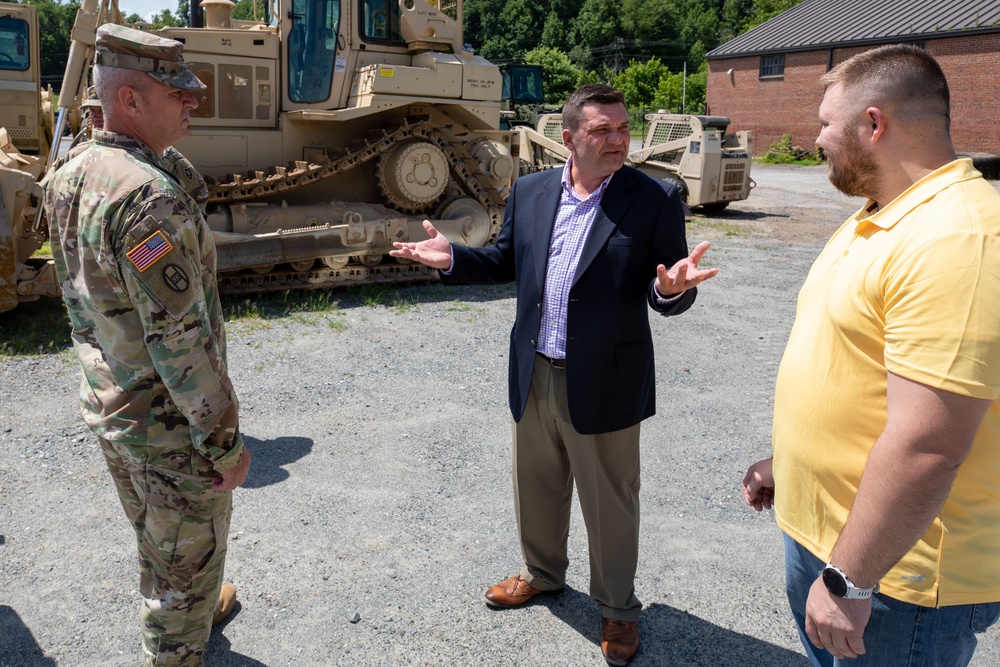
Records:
x=159, y=57
x=91, y=100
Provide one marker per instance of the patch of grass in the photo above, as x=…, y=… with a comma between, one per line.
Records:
x=338, y=325
x=459, y=307
x=44, y=251
x=401, y=306
x=36, y=327
x=727, y=228
x=372, y=295
x=279, y=304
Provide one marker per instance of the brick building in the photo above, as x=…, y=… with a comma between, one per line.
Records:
x=766, y=80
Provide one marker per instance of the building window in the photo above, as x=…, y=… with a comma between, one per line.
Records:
x=772, y=65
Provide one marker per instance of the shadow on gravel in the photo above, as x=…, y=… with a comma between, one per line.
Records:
x=220, y=650
x=276, y=305
x=17, y=644
x=730, y=214
x=395, y=296
x=269, y=457
x=669, y=636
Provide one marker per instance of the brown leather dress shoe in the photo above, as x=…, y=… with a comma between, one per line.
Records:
x=511, y=592
x=619, y=641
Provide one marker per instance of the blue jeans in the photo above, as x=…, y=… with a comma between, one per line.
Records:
x=898, y=634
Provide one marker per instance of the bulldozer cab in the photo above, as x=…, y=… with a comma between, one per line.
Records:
x=522, y=84
x=523, y=96
x=312, y=29
x=327, y=43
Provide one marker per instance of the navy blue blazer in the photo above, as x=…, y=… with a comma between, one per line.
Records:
x=609, y=348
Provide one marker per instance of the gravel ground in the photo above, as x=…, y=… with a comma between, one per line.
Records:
x=378, y=507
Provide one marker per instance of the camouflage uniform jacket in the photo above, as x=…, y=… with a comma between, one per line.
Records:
x=136, y=263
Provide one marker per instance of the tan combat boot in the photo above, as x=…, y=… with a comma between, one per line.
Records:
x=227, y=602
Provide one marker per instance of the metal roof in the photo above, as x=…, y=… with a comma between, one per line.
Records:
x=819, y=24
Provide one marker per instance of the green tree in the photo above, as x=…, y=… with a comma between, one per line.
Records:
x=55, y=21
x=589, y=76
x=554, y=33
x=603, y=36
x=597, y=33
x=734, y=16
x=654, y=25
x=243, y=11
x=700, y=26
x=640, y=80
x=503, y=30
x=672, y=95
x=166, y=19
x=560, y=76
x=764, y=10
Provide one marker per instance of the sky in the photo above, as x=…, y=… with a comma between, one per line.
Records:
x=146, y=8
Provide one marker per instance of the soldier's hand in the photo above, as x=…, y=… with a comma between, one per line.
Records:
x=236, y=475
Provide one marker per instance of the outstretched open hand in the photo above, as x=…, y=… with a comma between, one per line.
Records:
x=685, y=274
x=434, y=251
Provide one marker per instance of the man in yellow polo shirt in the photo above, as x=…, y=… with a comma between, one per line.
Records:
x=886, y=469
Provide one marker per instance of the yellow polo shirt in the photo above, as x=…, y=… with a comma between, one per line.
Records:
x=913, y=289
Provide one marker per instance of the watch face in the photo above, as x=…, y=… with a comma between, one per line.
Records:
x=834, y=582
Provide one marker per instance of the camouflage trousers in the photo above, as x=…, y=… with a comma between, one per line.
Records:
x=181, y=527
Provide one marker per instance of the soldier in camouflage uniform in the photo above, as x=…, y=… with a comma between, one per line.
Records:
x=172, y=160
x=136, y=263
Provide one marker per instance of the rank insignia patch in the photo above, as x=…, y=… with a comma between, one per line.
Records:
x=149, y=251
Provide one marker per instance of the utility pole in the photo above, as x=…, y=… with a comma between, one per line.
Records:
x=684, y=88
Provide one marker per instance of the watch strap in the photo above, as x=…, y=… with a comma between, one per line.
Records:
x=853, y=592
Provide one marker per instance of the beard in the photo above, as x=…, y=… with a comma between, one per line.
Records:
x=853, y=170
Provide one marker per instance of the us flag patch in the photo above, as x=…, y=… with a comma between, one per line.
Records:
x=149, y=251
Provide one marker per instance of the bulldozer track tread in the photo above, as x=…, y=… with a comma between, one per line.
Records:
x=277, y=179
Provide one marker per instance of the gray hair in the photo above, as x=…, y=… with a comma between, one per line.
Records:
x=108, y=80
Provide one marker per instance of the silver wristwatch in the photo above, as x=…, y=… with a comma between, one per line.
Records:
x=840, y=586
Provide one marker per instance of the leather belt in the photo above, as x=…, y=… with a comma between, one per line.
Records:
x=555, y=363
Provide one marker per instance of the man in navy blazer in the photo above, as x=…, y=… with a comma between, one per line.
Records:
x=588, y=246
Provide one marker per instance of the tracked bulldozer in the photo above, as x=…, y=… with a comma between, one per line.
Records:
x=328, y=130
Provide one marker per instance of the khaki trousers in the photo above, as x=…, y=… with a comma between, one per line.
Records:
x=549, y=456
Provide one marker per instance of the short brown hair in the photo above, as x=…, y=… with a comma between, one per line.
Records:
x=589, y=93
x=901, y=76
